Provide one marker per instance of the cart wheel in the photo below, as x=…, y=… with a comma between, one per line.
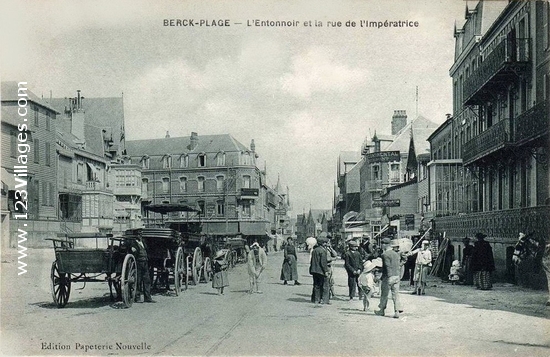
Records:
x=207, y=270
x=187, y=270
x=129, y=280
x=197, y=265
x=179, y=273
x=60, y=286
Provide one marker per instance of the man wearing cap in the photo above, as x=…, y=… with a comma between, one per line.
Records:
x=139, y=250
x=391, y=277
x=422, y=267
x=319, y=270
x=483, y=262
x=353, y=263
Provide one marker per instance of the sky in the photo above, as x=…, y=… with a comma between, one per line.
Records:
x=304, y=94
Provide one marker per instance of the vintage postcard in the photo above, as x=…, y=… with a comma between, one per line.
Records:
x=231, y=178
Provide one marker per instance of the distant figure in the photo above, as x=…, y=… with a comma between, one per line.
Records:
x=353, y=263
x=422, y=267
x=260, y=263
x=454, y=275
x=467, y=252
x=219, y=268
x=483, y=262
x=289, y=270
x=319, y=270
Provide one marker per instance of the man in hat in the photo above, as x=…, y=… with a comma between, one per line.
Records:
x=353, y=262
x=422, y=267
x=319, y=270
x=483, y=262
x=139, y=250
x=391, y=277
x=467, y=261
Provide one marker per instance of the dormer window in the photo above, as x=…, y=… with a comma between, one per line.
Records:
x=245, y=158
x=145, y=162
x=167, y=162
x=202, y=160
x=220, y=159
x=184, y=161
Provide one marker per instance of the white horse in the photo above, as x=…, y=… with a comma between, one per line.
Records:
x=529, y=245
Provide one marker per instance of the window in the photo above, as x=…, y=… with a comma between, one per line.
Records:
x=45, y=197
x=201, y=206
x=375, y=172
x=219, y=183
x=221, y=159
x=220, y=208
x=52, y=194
x=145, y=163
x=245, y=157
x=80, y=172
x=183, y=184
x=48, y=122
x=202, y=160
x=200, y=184
x=394, y=173
x=167, y=162
x=144, y=183
x=36, y=110
x=165, y=184
x=47, y=153
x=246, y=181
x=37, y=151
x=184, y=161
x=13, y=144
x=246, y=209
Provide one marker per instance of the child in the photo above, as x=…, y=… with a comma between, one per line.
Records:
x=219, y=268
x=454, y=276
x=367, y=280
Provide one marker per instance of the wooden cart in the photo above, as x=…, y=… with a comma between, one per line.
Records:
x=93, y=258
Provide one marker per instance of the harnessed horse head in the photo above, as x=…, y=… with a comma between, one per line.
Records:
x=527, y=245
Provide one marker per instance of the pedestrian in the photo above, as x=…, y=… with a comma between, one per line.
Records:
x=454, y=275
x=260, y=263
x=391, y=278
x=331, y=256
x=251, y=269
x=367, y=280
x=318, y=268
x=467, y=252
x=219, y=268
x=353, y=263
x=422, y=267
x=139, y=250
x=289, y=270
x=483, y=262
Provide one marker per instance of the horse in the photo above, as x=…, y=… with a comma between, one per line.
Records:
x=530, y=245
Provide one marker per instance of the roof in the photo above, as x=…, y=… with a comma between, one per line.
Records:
x=347, y=157
x=9, y=94
x=180, y=145
x=103, y=113
x=422, y=128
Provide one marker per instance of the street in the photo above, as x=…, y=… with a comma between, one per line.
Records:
x=281, y=321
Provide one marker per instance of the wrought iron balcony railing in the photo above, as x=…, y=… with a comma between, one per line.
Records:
x=532, y=124
x=508, y=58
x=494, y=138
x=503, y=225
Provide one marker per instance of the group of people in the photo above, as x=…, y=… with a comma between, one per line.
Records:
x=478, y=262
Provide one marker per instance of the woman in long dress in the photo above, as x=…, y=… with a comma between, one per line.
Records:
x=289, y=270
x=219, y=268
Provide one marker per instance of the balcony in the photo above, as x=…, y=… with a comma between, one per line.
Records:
x=508, y=59
x=532, y=124
x=503, y=225
x=493, y=139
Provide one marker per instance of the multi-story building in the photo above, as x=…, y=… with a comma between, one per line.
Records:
x=490, y=161
x=28, y=150
x=214, y=173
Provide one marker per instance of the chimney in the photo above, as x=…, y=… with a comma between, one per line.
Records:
x=398, y=121
x=167, y=134
x=77, y=117
x=252, y=146
x=194, y=140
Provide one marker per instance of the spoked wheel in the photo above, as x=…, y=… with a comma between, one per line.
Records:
x=129, y=280
x=207, y=270
x=197, y=265
x=179, y=273
x=60, y=285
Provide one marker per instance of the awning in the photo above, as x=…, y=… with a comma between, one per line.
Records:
x=8, y=179
x=95, y=171
x=164, y=208
x=220, y=228
x=254, y=228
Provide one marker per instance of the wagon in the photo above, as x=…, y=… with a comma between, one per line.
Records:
x=236, y=251
x=165, y=256
x=78, y=259
x=198, y=249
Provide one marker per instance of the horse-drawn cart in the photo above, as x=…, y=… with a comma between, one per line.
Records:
x=165, y=256
x=109, y=260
